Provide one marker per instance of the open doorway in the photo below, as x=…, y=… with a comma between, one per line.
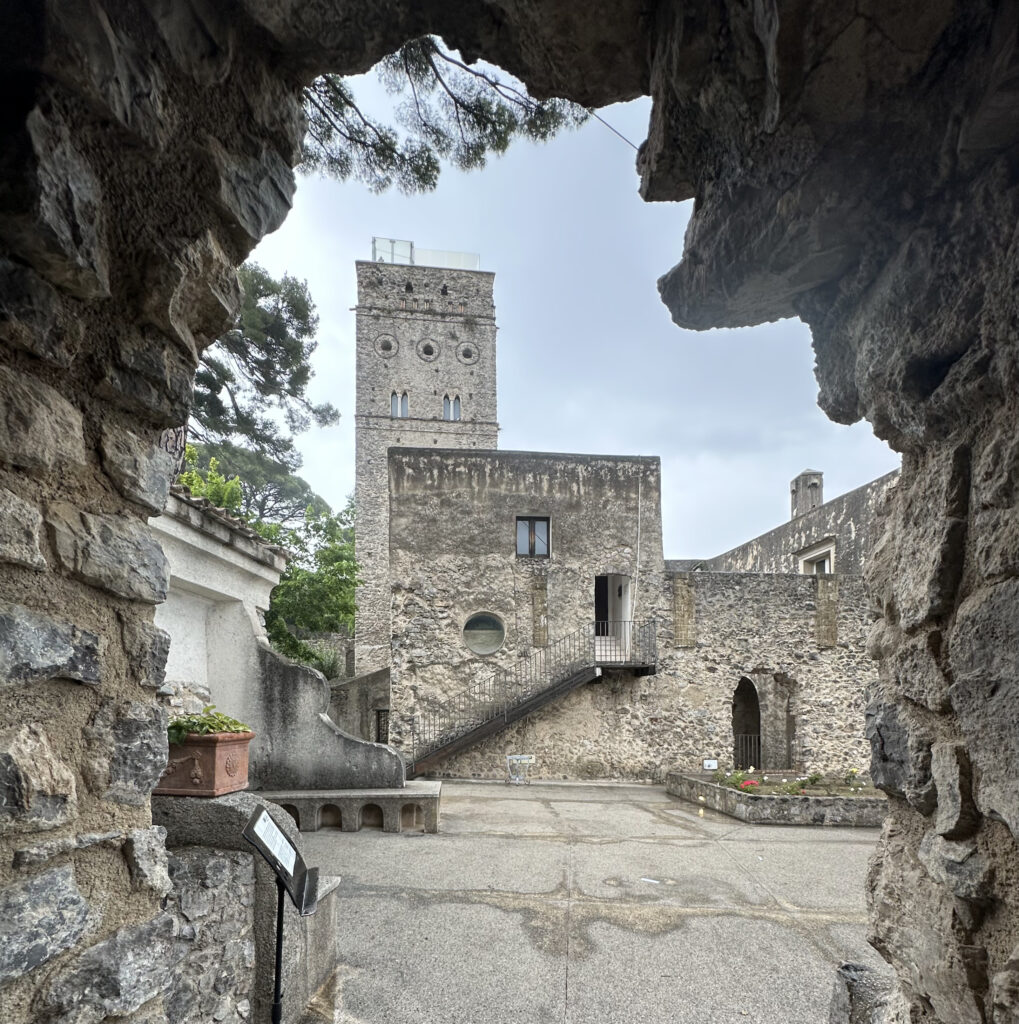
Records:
x=611, y=617
x=746, y=726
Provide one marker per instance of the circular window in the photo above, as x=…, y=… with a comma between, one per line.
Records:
x=428, y=349
x=467, y=353
x=386, y=346
x=484, y=633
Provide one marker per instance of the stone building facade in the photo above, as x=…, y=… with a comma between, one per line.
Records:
x=798, y=640
x=832, y=536
x=476, y=562
x=425, y=376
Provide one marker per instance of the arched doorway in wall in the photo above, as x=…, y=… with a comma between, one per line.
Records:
x=746, y=726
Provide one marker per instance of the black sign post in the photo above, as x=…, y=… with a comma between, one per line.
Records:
x=292, y=876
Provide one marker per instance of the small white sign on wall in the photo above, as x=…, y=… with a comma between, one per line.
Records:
x=710, y=764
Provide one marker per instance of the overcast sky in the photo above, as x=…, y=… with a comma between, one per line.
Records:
x=588, y=358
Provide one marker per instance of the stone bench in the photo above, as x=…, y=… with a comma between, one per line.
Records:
x=413, y=808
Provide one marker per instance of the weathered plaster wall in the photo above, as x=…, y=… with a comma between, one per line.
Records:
x=848, y=521
x=452, y=313
x=354, y=702
x=220, y=582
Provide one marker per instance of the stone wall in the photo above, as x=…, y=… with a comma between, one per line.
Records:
x=434, y=340
x=728, y=626
x=213, y=900
x=353, y=704
x=142, y=159
x=859, y=171
x=845, y=524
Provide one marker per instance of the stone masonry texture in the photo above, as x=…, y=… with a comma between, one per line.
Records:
x=427, y=333
x=799, y=639
x=853, y=165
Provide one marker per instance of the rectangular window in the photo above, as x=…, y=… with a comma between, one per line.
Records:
x=818, y=559
x=382, y=725
x=532, y=536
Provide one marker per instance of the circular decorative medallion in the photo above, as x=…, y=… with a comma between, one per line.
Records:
x=428, y=349
x=467, y=352
x=231, y=765
x=387, y=346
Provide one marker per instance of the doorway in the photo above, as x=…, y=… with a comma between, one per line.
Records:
x=611, y=617
x=746, y=726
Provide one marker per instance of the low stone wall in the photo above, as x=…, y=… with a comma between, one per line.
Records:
x=224, y=902
x=854, y=811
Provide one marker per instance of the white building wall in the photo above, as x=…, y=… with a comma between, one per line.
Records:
x=221, y=579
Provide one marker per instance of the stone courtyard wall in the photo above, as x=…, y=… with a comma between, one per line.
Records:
x=799, y=636
x=847, y=521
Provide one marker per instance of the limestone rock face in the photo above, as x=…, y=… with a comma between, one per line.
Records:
x=39, y=429
x=38, y=919
x=141, y=469
x=115, y=553
x=130, y=751
x=20, y=527
x=145, y=852
x=36, y=647
x=147, y=647
x=117, y=976
x=37, y=788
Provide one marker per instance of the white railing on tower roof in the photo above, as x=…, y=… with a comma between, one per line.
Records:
x=398, y=250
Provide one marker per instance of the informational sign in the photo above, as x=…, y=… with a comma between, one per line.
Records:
x=710, y=764
x=269, y=832
x=300, y=881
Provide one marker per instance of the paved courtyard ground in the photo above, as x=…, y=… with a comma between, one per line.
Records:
x=593, y=904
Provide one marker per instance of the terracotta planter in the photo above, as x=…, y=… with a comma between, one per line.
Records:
x=209, y=765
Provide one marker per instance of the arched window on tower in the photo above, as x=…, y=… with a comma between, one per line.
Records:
x=394, y=405
x=456, y=407
x=446, y=407
x=404, y=405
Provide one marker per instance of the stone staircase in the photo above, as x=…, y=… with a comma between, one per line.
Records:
x=508, y=695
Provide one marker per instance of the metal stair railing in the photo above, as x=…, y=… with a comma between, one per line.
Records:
x=504, y=690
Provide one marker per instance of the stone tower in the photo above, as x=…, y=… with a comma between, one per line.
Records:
x=807, y=492
x=425, y=378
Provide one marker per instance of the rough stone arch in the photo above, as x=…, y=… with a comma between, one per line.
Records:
x=873, y=193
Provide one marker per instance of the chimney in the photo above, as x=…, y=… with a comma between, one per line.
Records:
x=807, y=492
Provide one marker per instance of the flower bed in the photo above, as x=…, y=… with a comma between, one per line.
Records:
x=755, y=809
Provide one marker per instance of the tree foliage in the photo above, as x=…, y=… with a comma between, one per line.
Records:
x=269, y=491
x=209, y=482
x=316, y=591
x=257, y=373
x=446, y=108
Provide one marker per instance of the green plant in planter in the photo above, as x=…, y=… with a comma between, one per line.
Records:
x=209, y=721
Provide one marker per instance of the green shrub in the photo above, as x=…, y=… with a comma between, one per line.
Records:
x=814, y=778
